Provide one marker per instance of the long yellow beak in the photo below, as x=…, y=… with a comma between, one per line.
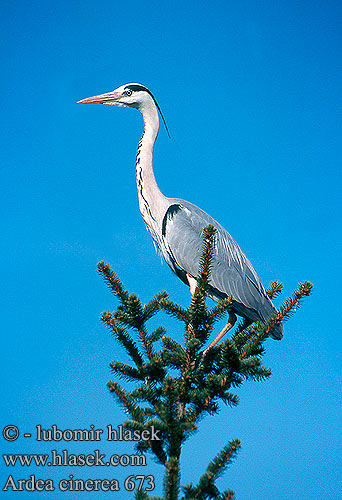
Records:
x=108, y=98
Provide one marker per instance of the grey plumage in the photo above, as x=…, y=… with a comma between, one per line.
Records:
x=176, y=225
x=231, y=271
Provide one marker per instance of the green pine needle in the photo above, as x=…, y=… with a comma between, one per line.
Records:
x=173, y=309
x=123, y=338
x=126, y=372
x=112, y=281
x=274, y=289
x=153, y=306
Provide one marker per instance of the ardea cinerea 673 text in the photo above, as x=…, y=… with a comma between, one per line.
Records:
x=176, y=225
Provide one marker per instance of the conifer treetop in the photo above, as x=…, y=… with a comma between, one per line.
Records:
x=170, y=386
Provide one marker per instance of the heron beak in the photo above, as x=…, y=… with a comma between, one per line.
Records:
x=110, y=98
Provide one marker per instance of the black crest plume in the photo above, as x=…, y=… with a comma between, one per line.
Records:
x=140, y=88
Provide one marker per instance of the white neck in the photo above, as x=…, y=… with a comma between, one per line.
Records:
x=152, y=203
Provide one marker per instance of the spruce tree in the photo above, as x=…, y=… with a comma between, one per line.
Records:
x=176, y=385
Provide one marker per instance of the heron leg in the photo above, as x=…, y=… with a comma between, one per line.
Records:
x=192, y=283
x=231, y=322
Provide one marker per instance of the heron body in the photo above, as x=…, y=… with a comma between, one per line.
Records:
x=177, y=225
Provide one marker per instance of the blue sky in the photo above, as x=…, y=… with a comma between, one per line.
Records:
x=251, y=94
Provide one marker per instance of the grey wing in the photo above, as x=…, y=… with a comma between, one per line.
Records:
x=231, y=273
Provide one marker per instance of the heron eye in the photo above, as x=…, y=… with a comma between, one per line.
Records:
x=128, y=92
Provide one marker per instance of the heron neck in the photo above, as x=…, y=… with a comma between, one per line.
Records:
x=151, y=199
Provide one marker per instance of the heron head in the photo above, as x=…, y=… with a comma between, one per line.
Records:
x=132, y=95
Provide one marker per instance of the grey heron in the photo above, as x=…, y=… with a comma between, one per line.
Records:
x=176, y=225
